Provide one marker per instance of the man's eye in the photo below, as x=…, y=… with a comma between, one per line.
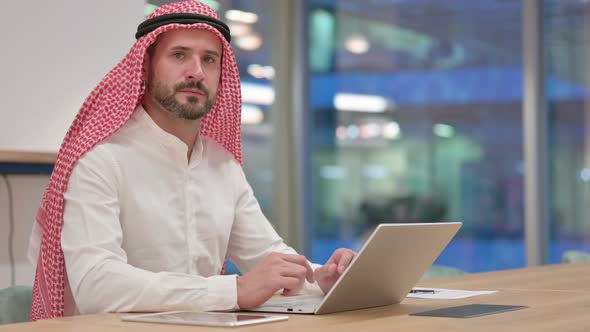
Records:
x=179, y=55
x=209, y=59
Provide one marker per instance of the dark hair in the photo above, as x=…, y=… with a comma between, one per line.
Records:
x=152, y=48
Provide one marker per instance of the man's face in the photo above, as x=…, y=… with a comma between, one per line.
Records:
x=183, y=72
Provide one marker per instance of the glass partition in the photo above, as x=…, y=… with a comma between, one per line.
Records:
x=566, y=41
x=417, y=118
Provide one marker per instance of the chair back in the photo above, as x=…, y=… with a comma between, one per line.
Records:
x=15, y=304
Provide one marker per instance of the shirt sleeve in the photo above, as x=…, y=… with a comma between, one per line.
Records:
x=99, y=276
x=253, y=237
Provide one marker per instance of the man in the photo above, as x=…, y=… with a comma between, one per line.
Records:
x=148, y=197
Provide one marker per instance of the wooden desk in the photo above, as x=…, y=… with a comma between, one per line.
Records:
x=550, y=309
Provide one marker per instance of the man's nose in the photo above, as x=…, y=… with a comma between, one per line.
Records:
x=195, y=70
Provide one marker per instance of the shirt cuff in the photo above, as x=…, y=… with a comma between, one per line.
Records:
x=223, y=292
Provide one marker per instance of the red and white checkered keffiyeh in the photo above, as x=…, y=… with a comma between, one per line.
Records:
x=108, y=107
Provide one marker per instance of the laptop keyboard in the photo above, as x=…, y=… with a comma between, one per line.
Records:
x=294, y=301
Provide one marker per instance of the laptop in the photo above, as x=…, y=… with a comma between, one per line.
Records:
x=383, y=272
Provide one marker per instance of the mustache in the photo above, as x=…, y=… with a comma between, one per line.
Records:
x=192, y=85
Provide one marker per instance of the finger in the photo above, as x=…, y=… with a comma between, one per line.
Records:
x=345, y=260
x=332, y=259
x=293, y=270
x=301, y=260
x=332, y=270
x=336, y=256
x=326, y=272
x=291, y=286
x=291, y=292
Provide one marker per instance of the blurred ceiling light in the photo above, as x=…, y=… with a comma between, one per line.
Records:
x=241, y=16
x=341, y=133
x=370, y=130
x=269, y=72
x=249, y=42
x=259, y=71
x=391, y=130
x=443, y=130
x=333, y=172
x=257, y=94
x=360, y=103
x=255, y=70
x=352, y=131
x=357, y=44
x=239, y=29
x=375, y=171
x=251, y=114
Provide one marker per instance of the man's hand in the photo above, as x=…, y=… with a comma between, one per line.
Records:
x=277, y=271
x=327, y=275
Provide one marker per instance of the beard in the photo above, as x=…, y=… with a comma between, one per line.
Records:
x=191, y=110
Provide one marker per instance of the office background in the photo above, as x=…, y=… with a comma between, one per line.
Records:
x=355, y=113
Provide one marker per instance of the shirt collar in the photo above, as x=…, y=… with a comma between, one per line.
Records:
x=166, y=139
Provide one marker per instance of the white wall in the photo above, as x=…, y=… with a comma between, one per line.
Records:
x=53, y=53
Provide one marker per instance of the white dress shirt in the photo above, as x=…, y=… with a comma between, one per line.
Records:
x=145, y=229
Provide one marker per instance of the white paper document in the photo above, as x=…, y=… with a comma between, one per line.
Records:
x=445, y=294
